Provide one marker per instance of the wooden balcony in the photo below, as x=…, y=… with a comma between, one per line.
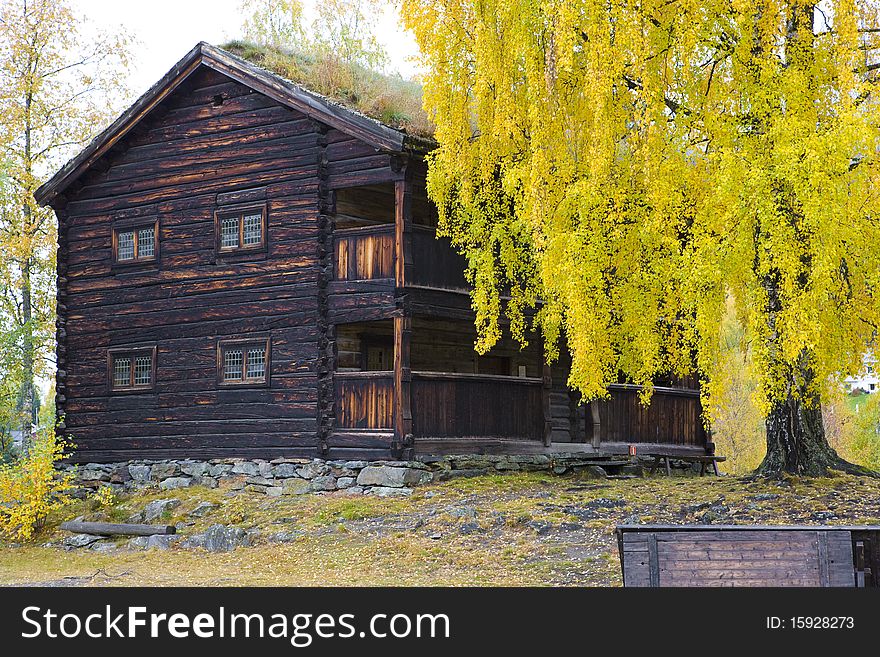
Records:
x=444, y=405
x=364, y=400
x=673, y=420
x=367, y=254
x=477, y=406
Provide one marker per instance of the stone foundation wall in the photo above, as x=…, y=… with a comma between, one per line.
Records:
x=298, y=476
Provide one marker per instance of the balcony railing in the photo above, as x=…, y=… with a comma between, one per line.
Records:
x=364, y=400
x=444, y=405
x=363, y=254
x=436, y=264
x=475, y=405
x=673, y=418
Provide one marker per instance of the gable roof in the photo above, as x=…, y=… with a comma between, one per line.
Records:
x=314, y=105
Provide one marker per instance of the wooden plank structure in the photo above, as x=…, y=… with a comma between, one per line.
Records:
x=275, y=255
x=748, y=555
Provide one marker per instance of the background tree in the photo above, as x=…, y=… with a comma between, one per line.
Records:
x=637, y=164
x=346, y=30
x=273, y=23
x=57, y=86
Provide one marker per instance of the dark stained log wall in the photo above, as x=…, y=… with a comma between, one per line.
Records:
x=184, y=161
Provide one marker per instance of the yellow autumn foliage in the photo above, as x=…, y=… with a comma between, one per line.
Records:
x=626, y=168
x=31, y=488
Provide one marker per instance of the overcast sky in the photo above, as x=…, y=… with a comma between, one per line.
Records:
x=167, y=29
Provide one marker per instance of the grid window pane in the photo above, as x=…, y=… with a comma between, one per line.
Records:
x=256, y=363
x=143, y=371
x=229, y=232
x=146, y=243
x=253, y=229
x=125, y=245
x=232, y=363
x=121, y=371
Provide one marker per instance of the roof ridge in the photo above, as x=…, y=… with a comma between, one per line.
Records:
x=286, y=92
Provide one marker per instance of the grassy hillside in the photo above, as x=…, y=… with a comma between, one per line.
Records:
x=513, y=529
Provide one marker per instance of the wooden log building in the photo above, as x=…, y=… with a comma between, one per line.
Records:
x=247, y=268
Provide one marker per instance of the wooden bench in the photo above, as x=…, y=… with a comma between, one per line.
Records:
x=749, y=555
x=703, y=460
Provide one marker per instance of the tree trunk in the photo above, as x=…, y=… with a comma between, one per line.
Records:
x=28, y=397
x=796, y=442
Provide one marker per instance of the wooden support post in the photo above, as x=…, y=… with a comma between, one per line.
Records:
x=403, y=267
x=547, y=381
x=403, y=438
x=597, y=423
x=403, y=226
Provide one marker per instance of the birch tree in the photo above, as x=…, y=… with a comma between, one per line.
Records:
x=58, y=85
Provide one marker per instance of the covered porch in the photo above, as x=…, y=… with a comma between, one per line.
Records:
x=449, y=400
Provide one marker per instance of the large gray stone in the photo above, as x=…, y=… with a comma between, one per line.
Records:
x=162, y=471
x=247, y=468
x=219, y=538
x=175, y=482
x=140, y=473
x=345, y=482
x=384, y=491
x=81, y=540
x=219, y=469
x=312, y=470
x=203, y=508
x=157, y=509
x=285, y=470
x=260, y=481
x=161, y=541
x=295, y=486
x=392, y=477
x=284, y=537
x=326, y=482
x=195, y=469
x=93, y=474
x=120, y=474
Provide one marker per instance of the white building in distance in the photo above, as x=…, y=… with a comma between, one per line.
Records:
x=867, y=379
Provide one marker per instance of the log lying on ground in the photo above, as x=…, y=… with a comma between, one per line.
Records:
x=114, y=529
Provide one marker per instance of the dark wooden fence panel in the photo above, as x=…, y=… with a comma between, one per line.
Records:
x=436, y=264
x=364, y=400
x=673, y=417
x=465, y=405
x=736, y=556
x=364, y=253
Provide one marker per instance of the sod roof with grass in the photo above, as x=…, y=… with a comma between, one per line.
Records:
x=390, y=99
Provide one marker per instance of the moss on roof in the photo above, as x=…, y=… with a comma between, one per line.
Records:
x=391, y=99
